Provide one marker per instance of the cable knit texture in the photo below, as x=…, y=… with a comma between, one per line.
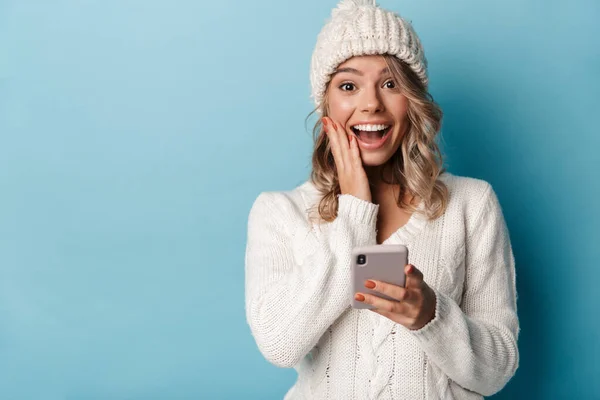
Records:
x=361, y=27
x=298, y=295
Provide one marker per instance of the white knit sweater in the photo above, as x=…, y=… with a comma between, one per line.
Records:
x=298, y=294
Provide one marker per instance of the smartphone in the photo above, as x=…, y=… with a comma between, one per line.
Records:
x=383, y=262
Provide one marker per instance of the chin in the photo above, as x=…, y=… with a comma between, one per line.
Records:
x=373, y=160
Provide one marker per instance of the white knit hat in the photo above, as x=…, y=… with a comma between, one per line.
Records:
x=361, y=27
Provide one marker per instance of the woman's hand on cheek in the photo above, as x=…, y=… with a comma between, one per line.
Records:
x=415, y=303
x=351, y=173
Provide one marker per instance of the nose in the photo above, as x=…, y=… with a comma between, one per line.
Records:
x=371, y=101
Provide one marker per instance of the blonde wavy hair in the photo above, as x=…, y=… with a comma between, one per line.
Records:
x=415, y=167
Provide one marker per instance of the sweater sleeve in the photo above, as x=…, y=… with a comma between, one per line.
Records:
x=291, y=298
x=475, y=344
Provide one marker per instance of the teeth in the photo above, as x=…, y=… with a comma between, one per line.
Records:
x=370, y=127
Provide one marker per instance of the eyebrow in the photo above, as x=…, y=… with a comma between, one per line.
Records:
x=357, y=72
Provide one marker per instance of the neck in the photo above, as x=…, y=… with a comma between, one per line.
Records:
x=379, y=188
x=382, y=192
x=374, y=174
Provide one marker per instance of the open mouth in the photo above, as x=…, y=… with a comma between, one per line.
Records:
x=371, y=136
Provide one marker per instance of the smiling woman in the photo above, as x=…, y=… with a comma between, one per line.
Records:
x=382, y=89
x=371, y=134
x=377, y=179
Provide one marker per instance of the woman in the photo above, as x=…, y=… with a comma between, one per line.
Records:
x=377, y=178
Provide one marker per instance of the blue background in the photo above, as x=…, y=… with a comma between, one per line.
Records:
x=135, y=136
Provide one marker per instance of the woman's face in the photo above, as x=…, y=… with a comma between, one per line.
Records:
x=364, y=98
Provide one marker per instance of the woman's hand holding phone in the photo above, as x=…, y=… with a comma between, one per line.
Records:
x=415, y=303
x=351, y=173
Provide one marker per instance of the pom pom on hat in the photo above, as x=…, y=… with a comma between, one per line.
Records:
x=350, y=4
x=361, y=27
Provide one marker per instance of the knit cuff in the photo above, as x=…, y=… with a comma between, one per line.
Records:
x=432, y=329
x=357, y=210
